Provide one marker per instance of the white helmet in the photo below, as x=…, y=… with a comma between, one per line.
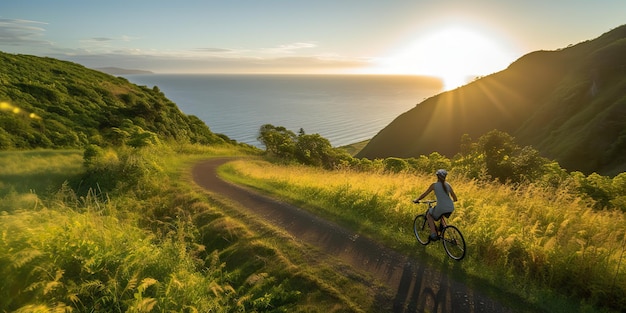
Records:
x=441, y=172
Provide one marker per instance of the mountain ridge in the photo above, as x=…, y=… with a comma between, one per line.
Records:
x=569, y=104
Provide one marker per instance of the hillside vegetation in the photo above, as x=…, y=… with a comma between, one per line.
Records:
x=154, y=243
x=568, y=104
x=47, y=103
x=547, y=247
x=533, y=228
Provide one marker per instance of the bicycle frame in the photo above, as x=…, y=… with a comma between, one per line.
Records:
x=451, y=238
x=442, y=220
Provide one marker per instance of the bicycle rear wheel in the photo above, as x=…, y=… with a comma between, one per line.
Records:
x=421, y=229
x=453, y=242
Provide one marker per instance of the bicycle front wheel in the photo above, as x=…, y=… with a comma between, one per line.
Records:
x=421, y=229
x=453, y=242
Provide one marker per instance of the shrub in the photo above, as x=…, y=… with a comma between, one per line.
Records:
x=395, y=165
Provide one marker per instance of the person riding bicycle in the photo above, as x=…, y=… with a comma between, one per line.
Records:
x=445, y=197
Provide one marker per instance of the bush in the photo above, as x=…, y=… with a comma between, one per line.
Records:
x=395, y=165
x=121, y=168
x=306, y=149
x=498, y=156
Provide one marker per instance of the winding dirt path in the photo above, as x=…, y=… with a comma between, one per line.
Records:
x=416, y=287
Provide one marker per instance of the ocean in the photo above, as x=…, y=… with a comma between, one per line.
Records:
x=344, y=109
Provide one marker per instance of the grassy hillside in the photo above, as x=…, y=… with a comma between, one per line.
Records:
x=155, y=243
x=47, y=103
x=569, y=104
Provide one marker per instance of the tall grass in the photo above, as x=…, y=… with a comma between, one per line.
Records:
x=527, y=239
x=149, y=243
x=38, y=171
x=86, y=261
x=68, y=252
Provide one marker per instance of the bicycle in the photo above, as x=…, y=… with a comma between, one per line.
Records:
x=451, y=237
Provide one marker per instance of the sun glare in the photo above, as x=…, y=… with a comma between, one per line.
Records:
x=455, y=54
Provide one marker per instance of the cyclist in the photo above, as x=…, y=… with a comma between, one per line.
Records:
x=445, y=205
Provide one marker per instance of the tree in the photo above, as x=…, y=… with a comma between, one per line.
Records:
x=304, y=148
x=498, y=146
x=528, y=164
x=619, y=191
x=497, y=155
x=313, y=149
x=278, y=140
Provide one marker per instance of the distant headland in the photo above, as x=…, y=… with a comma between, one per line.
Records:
x=121, y=71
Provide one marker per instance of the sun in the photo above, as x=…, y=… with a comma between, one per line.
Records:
x=456, y=54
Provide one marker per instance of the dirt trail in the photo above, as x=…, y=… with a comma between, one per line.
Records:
x=417, y=288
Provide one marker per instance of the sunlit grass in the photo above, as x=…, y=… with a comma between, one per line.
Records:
x=153, y=243
x=157, y=242
x=355, y=148
x=38, y=171
x=526, y=239
x=88, y=261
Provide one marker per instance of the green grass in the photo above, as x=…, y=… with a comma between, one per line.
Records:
x=154, y=243
x=550, y=249
x=38, y=171
x=354, y=148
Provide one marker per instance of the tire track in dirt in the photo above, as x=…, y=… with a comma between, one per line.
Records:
x=416, y=287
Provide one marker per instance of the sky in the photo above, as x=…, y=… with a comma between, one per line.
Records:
x=452, y=39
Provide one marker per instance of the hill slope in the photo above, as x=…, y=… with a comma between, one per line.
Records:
x=569, y=104
x=47, y=103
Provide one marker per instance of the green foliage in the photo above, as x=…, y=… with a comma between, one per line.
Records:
x=313, y=149
x=605, y=192
x=363, y=165
x=395, y=165
x=618, y=187
x=430, y=163
x=494, y=156
x=121, y=169
x=497, y=155
x=278, y=141
x=306, y=149
x=47, y=103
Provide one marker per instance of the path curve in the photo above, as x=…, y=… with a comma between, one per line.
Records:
x=416, y=287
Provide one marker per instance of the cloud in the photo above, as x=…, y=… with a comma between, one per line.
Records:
x=17, y=32
x=290, y=47
x=216, y=64
x=214, y=50
x=126, y=38
x=101, y=39
x=103, y=51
